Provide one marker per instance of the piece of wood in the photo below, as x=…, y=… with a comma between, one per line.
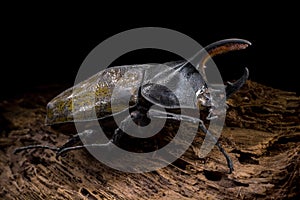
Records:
x=262, y=137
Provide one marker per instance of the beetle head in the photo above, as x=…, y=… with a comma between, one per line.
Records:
x=204, y=93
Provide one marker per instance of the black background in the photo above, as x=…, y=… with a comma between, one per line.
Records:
x=41, y=48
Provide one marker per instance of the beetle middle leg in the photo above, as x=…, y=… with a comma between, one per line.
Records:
x=116, y=139
x=76, y=138
x=69, y=145
x=138, y=115
x=88, y=134
x=160, y=114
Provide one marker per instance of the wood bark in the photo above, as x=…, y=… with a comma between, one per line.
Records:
x=262, y=136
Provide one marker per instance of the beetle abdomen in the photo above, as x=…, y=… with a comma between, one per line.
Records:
x=91, y=99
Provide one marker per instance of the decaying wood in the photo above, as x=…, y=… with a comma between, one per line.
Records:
x=262, y=136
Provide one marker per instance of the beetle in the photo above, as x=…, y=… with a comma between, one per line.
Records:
x=95, y=95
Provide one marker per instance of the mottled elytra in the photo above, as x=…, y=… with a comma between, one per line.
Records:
x=95, y=94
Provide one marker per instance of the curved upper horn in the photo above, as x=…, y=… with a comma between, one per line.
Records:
x=223, y=46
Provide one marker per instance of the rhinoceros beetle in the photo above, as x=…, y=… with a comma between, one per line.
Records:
x=95, y=95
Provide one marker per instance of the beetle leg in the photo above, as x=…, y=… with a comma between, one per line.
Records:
x=116, y=138
x=66, y=149
x=161, y=114
x=68, y=145
x=70, y=142
x=73, y=140
x=17, y=150
x=76, y=138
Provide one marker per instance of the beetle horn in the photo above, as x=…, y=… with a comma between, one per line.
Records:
x=223, y=46
x=233, y=87
x=217, y=48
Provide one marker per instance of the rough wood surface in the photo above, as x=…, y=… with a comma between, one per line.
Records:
x=262, y=136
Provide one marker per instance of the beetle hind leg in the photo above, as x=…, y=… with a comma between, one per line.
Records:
x=68, y=145
x=72, y=141
x=64, y=150
x=17, y=150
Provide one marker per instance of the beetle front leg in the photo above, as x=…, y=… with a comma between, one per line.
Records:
x=161, y=114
